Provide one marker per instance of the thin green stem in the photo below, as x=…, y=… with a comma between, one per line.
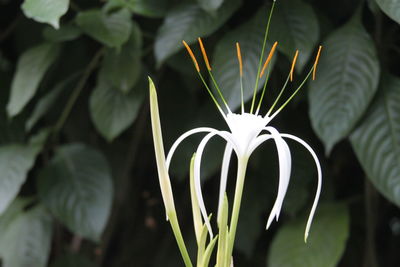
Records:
x=241, y=93
x=261, y=57
x=179, y=239
x=211, y=94
x=77, y=90
x=279, y=96
x=241, y=173
x=263, y=91
x=219, y=91
x=294, y=93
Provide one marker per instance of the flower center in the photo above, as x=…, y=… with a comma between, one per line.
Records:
x=245, y=128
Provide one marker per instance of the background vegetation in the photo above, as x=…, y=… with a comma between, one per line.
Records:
x=78, y=184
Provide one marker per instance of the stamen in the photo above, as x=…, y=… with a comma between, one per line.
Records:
x=192, y=56
x=293, y=64
x=203, y=51
x=316, y=62
x=271, y=53
x=239, y=56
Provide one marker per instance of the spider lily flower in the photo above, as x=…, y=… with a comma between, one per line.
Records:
x=247, y=131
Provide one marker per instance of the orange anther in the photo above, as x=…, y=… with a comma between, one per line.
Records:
x=271, y=53
x=192, y=56
x=293, y=64
x=239, y=56
x=203, y=51
x=316, y=62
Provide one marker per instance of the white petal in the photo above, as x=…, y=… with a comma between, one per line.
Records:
x=197, y=164
x=224, y=176
x=258, y=141
x=285, y=165
x=183, y=137
x=317, y=194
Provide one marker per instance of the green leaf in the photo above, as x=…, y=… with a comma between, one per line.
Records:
x=122, y=69
x=31, y=67
x=112, y=111
x=76, y=186
x=347, y=79
x=46, y=102
x=376, y=140
x=12, y=212
x=26, y=241
x=112, y=29
x=391, y=8
x=225, y=64
x=295, y=26
x=149, y=8
x=15, y=162
x=187, y=22
x=46, y=11
x=66, y=32
x=210, y=5
x=325, y=245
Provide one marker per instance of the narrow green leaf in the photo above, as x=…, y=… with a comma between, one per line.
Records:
x=197, y=220
x=376, y=140
x=112, y=29
x=26, y=242
x=15, y=162
x=46, y=11
x=207, y=254
x=325, y=244
x=122, y=69
x=347, y=79
x=31, y=67
x=187, y=22
x=295, y=26
x=391, y=8
x=223, y=238
x=250, y=35
x=210, y=5
x=112, y=111
x=77, y=188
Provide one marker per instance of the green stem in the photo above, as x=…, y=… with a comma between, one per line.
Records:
x=77, y=90
x=179, y=239
x=241, y=173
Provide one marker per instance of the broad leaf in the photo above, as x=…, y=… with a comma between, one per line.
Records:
x=112, y=111
x=187, y=22
x=225, y=63
x=46, y=11
x=391, y=8
x=376, y=140
x=295, y=26
x=67, y=32
x=12, y=212
x=76, y=186
x=325, y=245
x=347, y=79
x=210, y=5
x=122, y=69
x=31, y=68
x=15, y=162
x=112, y=29
x=26, y=242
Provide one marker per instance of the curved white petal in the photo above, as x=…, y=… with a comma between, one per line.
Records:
x=317, y=194
x=224, y=176
x=197, y=164
x=285, y=165
x=183, y=137
x=258, y=141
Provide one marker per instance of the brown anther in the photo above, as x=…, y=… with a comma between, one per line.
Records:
x=293, y=64
x=192, y=56
x=271, y=53
x=316, y=62
x=239, y=56
x=203, y=51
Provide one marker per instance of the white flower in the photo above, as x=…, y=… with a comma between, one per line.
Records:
x=247, y=132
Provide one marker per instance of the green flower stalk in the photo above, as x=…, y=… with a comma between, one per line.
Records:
x=247, y=131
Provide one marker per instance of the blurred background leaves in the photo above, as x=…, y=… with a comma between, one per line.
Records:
x=78, y=183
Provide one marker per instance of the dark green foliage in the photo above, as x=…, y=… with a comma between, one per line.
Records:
x=78, y=181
